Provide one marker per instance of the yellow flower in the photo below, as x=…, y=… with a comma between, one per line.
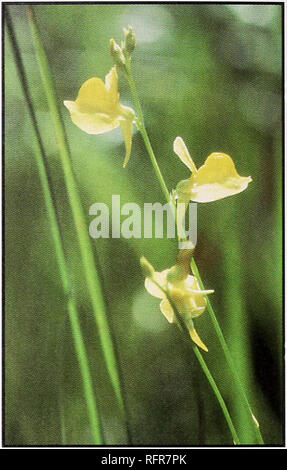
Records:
x=214, y=180
x=97, y=109
x=184, y=292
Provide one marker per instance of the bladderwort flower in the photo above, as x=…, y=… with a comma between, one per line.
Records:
x=184, y=292
x=97, y=109
x=216, y=179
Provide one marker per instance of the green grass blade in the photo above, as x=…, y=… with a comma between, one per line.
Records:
x=59, y=249
x=87, y=255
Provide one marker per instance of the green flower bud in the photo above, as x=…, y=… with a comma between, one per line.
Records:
x=130, y=39
x=117, y=54
x=147, y=268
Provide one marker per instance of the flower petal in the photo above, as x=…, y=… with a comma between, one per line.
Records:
x=167, y=310
x=91, y=123
x=189, y=299
x=94, y=97
x=192, y=283
x=127, y=129
x=196, y=339
x=152, y=288
x=216, y=179
x=180, y=149
x=111, y=84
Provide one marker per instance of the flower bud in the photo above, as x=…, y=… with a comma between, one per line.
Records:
x=147, y=268
x=130, y=40
x=117, y=54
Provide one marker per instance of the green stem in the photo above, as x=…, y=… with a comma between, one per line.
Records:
x=165, y=191
x=59, y=249
x=238, y=322
x=142, y=129
x=228, y=356
x=87, y=255
x=203, y=365
x=217, y=393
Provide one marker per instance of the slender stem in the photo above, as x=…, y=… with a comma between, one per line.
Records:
x=233, y=301
x=217, y=393
x=87, y=255
x=202, y=363
x=142, y=129
x=59, y=249
x=228, y=355
x=224, y=346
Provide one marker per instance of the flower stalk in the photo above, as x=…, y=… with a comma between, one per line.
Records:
x=142, y=129
x=183, y=326
x=229, y=358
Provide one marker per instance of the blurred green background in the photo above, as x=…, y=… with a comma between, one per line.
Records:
x=211, y=74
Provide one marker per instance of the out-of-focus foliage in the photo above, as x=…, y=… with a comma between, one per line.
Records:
x=211, y=74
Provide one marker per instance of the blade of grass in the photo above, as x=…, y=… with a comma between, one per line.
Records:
x=63, y=427
x=142, y=129
x=89, y=266
x=58, y=245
